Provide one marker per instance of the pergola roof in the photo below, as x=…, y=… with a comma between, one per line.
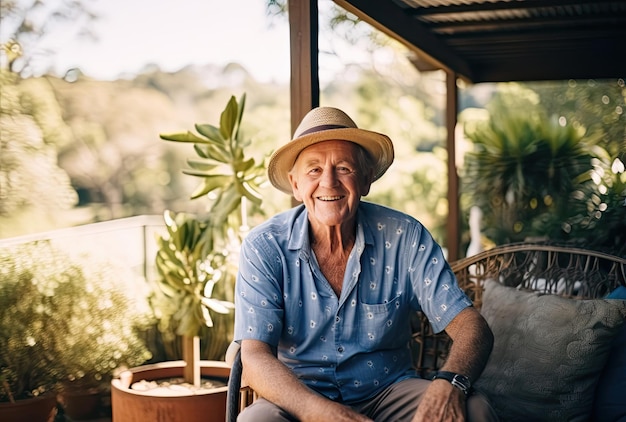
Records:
x=506, y=40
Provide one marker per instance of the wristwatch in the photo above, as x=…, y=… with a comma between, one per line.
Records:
x=459, y=381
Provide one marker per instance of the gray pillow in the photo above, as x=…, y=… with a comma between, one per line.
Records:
x=548, y=354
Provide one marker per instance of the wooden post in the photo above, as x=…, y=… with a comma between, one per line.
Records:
x=303, y=30
x=453, y=226
x=303, y=36
x=191, y=356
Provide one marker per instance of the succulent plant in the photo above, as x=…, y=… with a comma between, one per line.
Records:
x=197, y=258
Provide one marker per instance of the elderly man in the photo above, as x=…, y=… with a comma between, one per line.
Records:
x=325, y=291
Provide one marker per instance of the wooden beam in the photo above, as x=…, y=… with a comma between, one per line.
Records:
x=476, y=7
x=303, y=31
x=453, y=230
x=391, y=19
x=532, y=25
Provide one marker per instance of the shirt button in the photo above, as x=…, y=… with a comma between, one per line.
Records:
x=340, y=349
x=337, y=319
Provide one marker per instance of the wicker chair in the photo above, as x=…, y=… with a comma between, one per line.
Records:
x=571, y=272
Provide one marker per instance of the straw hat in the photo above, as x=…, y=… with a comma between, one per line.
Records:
x=327, y=124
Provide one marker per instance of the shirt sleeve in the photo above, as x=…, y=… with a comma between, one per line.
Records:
x=434, y=284
x=259, y=306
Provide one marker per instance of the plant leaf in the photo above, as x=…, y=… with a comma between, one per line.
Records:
x=226, y=203
x=219, y=306
x=183, y=137
x=242, y=104
x=210, y=132
x=210, y=183
x=228, y=118
x=203, y=165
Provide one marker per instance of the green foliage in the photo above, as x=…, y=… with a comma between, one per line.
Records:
x=33, y=24
x=63, y=320
x=551, y=178
x=189, y=270
x=32, y=186
x=197, y=260
x=598, y=206
x=225, y=172
x=521, y=174
x=598, y=106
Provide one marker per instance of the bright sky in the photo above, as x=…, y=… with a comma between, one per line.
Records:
x=172, y=34
x=175, y=33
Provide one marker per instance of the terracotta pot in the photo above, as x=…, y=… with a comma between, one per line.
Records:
x=139, y=406
x=80, y=405
x=37, y=409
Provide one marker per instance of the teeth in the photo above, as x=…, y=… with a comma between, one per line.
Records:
x=329, y=198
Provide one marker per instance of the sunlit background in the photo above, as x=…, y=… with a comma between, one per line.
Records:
x=87, y=88
x=113, y=75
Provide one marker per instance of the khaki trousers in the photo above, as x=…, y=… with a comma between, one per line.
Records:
x=397, y=403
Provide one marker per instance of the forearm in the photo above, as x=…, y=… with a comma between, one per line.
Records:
x=472, y=342
x=275, y=382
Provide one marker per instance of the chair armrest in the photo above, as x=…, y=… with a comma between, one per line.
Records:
x=233, y=359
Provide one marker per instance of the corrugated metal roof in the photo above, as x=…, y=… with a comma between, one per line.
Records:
x=507, y=40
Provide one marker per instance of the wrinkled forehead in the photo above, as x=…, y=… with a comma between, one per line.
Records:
x=348, y=149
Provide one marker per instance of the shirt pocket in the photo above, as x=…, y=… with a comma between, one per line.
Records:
x=379, y=325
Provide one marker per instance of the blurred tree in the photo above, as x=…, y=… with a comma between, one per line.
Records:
x=34, y=190
x=30, y=26
x=118, y=164
x=115, y=160
x=535, y=176
x=597, y=106
x=523, y=167
x=598, y=206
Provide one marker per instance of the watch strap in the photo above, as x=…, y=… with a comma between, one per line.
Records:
x=457, y=380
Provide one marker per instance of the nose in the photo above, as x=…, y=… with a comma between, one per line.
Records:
x=329, y=177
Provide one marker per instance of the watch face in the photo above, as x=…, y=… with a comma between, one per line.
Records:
x=463, y=380
x=459, y=381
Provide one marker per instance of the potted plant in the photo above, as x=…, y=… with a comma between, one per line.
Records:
x=65, y=323
x=196, y=263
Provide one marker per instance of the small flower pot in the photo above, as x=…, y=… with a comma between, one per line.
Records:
x=36, y=409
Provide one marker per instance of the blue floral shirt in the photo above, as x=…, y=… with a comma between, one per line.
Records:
x=350, y=347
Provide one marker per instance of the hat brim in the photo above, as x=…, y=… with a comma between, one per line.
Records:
x=379, y=147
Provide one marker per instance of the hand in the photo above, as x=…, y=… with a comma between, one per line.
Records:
x=441, y=402
x=324, y=410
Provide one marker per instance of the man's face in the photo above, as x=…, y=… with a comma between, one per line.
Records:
x=326, y=178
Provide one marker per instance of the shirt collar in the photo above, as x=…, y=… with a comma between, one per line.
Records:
x=299, y=238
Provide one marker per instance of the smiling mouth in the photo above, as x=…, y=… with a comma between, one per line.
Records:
x=329, y=198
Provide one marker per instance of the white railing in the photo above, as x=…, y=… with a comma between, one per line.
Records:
x=129, y=242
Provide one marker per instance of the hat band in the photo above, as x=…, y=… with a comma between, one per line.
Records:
x=321, y=128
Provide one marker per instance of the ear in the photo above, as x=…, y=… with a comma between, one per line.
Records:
x=294, y=187
x=365, y=189
x=366, y=184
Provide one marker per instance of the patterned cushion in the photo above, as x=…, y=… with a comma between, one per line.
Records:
x=548, y=354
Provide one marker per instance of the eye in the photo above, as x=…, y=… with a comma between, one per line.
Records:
x=344, y=170
x=314, y=170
